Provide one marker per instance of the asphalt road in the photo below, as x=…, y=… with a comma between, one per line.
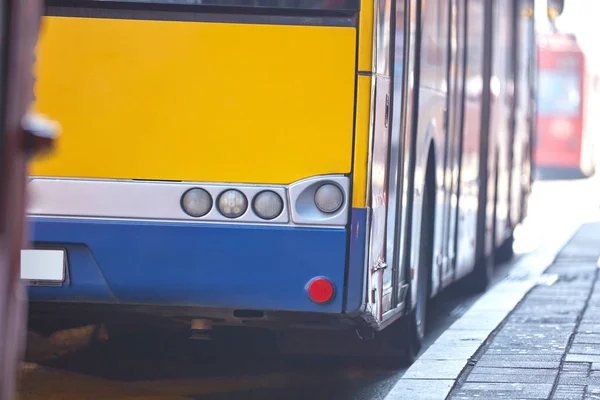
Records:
x=80, y=363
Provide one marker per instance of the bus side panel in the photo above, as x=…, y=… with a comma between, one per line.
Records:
x=502, y=100
x=378, y=199
x=523, y=117
x=488, y=149
x=430, y=131
x=196, y=101
x=355, y=282
x=469, y=178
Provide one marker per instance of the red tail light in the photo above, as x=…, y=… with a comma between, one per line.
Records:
x=320, y=290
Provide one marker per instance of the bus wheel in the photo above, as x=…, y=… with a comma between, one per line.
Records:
x=480, y=278
x=412, y=326
x=423, y=286
x=505, y=252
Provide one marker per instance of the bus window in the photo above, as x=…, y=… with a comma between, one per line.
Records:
x=559, y=92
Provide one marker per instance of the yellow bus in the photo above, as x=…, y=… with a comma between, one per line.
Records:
x=286, y=164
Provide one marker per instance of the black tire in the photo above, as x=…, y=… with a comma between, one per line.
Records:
x=425, y=261
x=480, y=279
x=505, y=252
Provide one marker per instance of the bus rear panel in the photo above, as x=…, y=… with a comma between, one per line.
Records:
x=156, y=101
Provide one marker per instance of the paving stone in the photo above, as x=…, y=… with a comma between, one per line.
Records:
x=578, y=348
x=543, y=319
x=563, y=293
x=553, y=338
x=483, y=320
x=573, y=296
x=573, y=375
x=526, y=348
x=537, y=329
x=515, y=378
x=568, y=392
x=562, y=290
x=574, y=265
x=588, y=338
x=536, y=305
x=522, y=336
x=441, y=351
x=512, y=375
x=591, y=313
x=592, y=393
x=435, y=369
x=567, y=285
x=471, y=390
x=591, y=318
x=568, y=267
x=578, y=252
x=525, y=371
x=422, y=389
x=583, y=358
x=464, y=336
x=520, y=361
x=581, y=246
x=503, y=300
x=576, y=367
x=566, y=379
x=566, y=295
x=541, y=343
x=588, y=327
x=581, y=288
x=555, y=333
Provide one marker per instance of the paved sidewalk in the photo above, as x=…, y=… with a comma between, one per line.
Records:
x=549, y=346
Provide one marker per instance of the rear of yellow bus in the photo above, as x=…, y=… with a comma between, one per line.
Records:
x=206, y=156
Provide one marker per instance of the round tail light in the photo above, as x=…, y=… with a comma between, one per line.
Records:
x=320, y=290
x=232, y=203
x=196, y=202
x=329, y=198
x=268, y=205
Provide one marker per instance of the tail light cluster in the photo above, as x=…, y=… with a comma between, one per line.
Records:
x=318, y=201
x=232, y=203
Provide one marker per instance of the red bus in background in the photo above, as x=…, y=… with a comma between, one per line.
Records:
x=563, y=140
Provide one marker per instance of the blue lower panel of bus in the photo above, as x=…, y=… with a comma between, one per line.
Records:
x=221, y=266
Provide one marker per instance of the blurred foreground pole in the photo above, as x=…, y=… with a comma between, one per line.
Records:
x=20, y=137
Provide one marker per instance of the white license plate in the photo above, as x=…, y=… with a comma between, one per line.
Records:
x=43, y=265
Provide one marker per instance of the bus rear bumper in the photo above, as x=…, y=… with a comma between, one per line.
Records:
x=198, y=265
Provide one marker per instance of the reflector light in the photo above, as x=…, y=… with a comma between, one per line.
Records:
x=232, y=203
x=320, y=290
x=267, y=204
x=196, y=202
x=329, y=198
